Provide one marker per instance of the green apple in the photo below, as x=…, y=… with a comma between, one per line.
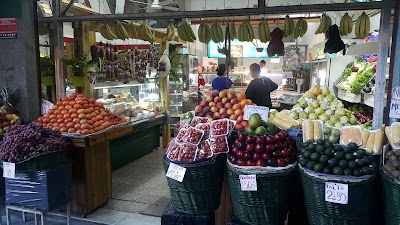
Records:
x=353, y=121
x=303, y=104
x=344, y=119
x=334, y=119
x=329, y=123
x=338, y=125
x=315, y=104
x=319, y=111
x=324, y=117
x=333, y=139
x=294, y=115
x=320, y=97
x=335, y=132
x=329, y=112
x=312, y=116
x=309, y=109
x=340, y=112
x=327, y=130
x=303, y=115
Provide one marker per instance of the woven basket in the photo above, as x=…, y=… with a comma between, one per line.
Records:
x=391, y=192
x=358, y=211
x=268, y=205
x=200, y=190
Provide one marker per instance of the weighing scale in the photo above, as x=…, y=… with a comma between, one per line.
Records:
x=289, y=99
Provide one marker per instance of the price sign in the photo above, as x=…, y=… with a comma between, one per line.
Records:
x=176, y=172
x=337, y=193
x=8, y=170
x=251, y=109
x=46, y=106
x=395, y=103
x=248, y=182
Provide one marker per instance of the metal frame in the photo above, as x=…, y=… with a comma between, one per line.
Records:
x=262, y=9
x=35, y=212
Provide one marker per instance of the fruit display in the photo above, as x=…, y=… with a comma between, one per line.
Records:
x=288, y=27
x=312, y=130
x=216, y=33
x=284, y=121
x=319, y=104
x=197, y=120
x=224, y=104
x=106, y=32
x=325, y=157
x=232, y=30
x=204, y=150
x=170, y=35
x=182, y=152
x=331, y=134
x=350, y=134
x=204, y=33
x=264, y=33
x=393, y=135
x=219, y=127
x=193, y=136
x=206, y=128
x=181, y=134
x=185, y=32
x=262, y=150
x=259, y=127
x=324, y=24
x=392, y=163
x=355, y=80
x=23, y=142
x=346, y=25
x=362, y=26
x=78, y=114
x=372, y=141
x=219, y=144
x=246, y=32
x=7, y=120
x=121, y=32
x=300, y=28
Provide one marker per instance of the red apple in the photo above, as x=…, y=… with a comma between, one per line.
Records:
x=284, y=133
x=224, y=116
x=203, y=103
x=250, y=163
x=235, y=150
x=224, y=100
x=240, y=154
x=220, y=105
x=217, y=99
x=281, y=163
x=270, y=148
x=228, y=105
x=241, y=137
x=215, y=93
x=245, y=123
x=269, y=139
x=286, y=152
x=260, y=140
x=278, y=138
x=214, y=109
x=238, y=112
x=238, y=126
x=250, y=139
x=259, y=148
x=250, y=147
x=209, y=98
x=230, y=95
x=234, y=101
x=278, y=146
x=223, y=94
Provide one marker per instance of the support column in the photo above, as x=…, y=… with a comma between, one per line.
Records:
x=19, y=58
x=59, y=53
x=164, y=91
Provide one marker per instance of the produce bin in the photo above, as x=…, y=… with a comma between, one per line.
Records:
x=360, y=207
x=391, y=193
x=200, y=190
x=268, y=205
x=171, y=217
x=43, y=190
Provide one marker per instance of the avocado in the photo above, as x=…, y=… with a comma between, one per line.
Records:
x=333, y=162
x=352, y=165
x=315, y=156
x=348, y=156
x=346, y=150
x=328, y=144
x=323, y=159
x=312, y=147
x=320, y=142
x=357, y=173
x=337, y=148
x=360, y=162
x=365, y=170
x=327, y=170
x=343, y=164
x=320, y=148
x=361, y=152
x=353, y=146
x=303, y=162
x=310, y=165
x=307, y=154
x=347, y=172
x=329, y=152
x=366, y=160
x=337, y=171
x=260, y=131
x=318, y=167
x=339, y=155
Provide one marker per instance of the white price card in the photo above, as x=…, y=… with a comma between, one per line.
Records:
x=8, y=170
x=251, y=109
x=395, y=103
x=176, y=172
x=248, y=182
x=46, y=106
x=337, y=193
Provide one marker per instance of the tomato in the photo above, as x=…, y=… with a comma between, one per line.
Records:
x=83, y=121
x=91, y=101
x=99, y=117
x=96, y=111
x=61, y=107
x=60, y=120
x=79, y=101
x=90, y=122
x=56, y=124
x=85, y=132
x=85, y=126
x=81, y=116
x=77, y=106
x=71, y=130
x=66, y=115
x=62, y=125
x=91, y=131
x=69, y=125
x=63, y=129
x=51, y=111
x=89, y=110
x=78, y=131
x=96, y=129
x=81, y=111
x=107, y=124
x=53, y=121
x=94, y=119
x=76, y=120
x=77, y=126
x=56, y=128
x=74, y=115
x=59, y=104
x=46, y=121
x=52, y=116
x=68, y=107
x=85, y=106
x=67, y=120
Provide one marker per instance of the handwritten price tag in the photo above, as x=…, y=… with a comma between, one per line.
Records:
x=176, y=172
x=337, y=193
x=251, y=109
x=46, y=106
x=395, y=103
x=8, y=170
x=248, y=182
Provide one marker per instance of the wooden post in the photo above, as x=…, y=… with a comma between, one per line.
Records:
x=164, y=90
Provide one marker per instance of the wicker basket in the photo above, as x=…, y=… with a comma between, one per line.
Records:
x=268, y=205
x=200, y=190
x=359, y=209
x=391, y=192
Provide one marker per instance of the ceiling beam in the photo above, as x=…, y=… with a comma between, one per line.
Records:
x=289, y=9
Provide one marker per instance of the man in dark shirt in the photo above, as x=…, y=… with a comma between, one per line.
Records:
x=259, y=89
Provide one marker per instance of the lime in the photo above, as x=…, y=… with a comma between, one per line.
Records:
x=339, y=155
x=327, y=170
x=353, y=146
x=366, y=160
x=310, y=165
x=333, y=162
x=337, y=148
x=362, y=152
x=323, y=159
x=337, y=171
x=320, y=148
x=315, y=156
x=360, y=162
x=318, y=167
x=352, y=165
x=343, y=164
x=328, y=144
x=312, y=147
x=348, y=156
x=335, y=132
x=366, y=170
x=303, y=162
x=357, y=172
x=249, y=131
x=320, y=142
x=346, y=150
x=307, y=154
x=329, y=152
x=347, y=172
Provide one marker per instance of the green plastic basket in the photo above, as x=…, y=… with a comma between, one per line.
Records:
x=391, y=192
x=45, y=161
x=268, y=205
x=200, y=190
x=358, y=211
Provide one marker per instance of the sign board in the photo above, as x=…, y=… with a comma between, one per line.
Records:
x=176, y=172
x=46, y=106
x=248, y=182
x=395, y=103
x=8, y=170
x=251, y=109
x=8, y=28
x=336, y=193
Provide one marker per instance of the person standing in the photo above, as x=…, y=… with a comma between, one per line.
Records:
x=262, y=64
x=260, y=88
x=221, y=82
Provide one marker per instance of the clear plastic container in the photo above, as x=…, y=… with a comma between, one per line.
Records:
x=204, y=150
x=193, y=136
x=187, y=152
x=206, y=127
x=181, y=135
x=350, y=134
x=219, y=144
x=232, y=124
x=313, y=130
x=219, y=127
x=196, y=120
